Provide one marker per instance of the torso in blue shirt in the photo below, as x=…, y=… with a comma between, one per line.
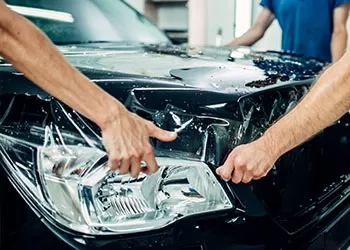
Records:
x=306, y=25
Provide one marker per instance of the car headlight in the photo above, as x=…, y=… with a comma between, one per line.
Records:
x=71, y=184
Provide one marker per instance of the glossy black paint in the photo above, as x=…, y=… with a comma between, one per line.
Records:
x=303, y=195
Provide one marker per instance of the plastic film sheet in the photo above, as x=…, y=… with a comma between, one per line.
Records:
x=57, y=158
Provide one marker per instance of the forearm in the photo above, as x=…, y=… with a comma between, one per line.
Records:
x=23, y=45
x=248, y=38
x=326, y=102
x=338, y=44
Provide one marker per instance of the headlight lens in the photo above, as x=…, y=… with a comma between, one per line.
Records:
x=72, y=185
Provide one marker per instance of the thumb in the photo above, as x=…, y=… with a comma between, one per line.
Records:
x=161, y=134
x=226, y=170
x=218, y=170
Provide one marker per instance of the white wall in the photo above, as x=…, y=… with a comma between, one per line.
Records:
x=197, y=32
x=273, y=36
x=220, y=15
x=206, y=17
x=173, y=16
x=170, y=16
x=243, y=19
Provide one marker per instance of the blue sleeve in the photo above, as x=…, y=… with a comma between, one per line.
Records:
x=337, y=2
x=269, y=4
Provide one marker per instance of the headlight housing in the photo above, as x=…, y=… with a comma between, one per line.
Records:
x=68, y=182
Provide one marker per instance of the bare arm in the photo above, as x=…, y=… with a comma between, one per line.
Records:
x=257, y=31
x=339, y=35
x=327, y=101
x=32, y=53
x=126, y=136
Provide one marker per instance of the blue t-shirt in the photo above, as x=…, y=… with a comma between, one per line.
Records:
x=307, y=25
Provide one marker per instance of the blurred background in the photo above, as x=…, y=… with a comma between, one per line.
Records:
x=208, y=22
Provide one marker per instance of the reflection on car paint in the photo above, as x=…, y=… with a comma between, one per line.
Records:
x=212, y=116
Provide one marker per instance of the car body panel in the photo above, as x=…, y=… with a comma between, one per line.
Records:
x=205, y=85
x=216, y=98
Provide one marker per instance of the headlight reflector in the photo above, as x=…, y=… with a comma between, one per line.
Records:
x=75, y=188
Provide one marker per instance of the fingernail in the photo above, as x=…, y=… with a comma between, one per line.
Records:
x=225, y=179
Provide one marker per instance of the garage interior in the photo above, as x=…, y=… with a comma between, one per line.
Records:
x=198, y=22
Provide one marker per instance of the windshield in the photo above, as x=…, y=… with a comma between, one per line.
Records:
x=81, y=21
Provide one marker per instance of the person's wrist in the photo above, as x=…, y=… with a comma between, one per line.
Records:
x=268, y=143
x=111, y=113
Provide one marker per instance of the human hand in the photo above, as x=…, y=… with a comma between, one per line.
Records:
x=247, y=162
x=126, y=140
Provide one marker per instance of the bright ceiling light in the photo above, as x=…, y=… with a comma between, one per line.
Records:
x=43, y=13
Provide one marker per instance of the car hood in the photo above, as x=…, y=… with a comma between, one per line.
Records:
x=191, y=68
x=228, y=70
x=220, y=69
x=215, y=98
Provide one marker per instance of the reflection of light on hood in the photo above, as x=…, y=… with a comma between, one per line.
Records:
x=183, y=126
x=215, y=106
x=43, y=13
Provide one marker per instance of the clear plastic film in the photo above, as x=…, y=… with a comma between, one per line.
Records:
x=57, y=159
x=209, y=131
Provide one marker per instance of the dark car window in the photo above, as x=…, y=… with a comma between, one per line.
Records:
x=79, y=21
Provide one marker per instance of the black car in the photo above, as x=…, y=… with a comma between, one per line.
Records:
x=57, y=192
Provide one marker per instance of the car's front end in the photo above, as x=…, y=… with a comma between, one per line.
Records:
x=215, y=98
x=55, y=160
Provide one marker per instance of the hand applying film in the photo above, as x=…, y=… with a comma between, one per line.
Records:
x=247, y=162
